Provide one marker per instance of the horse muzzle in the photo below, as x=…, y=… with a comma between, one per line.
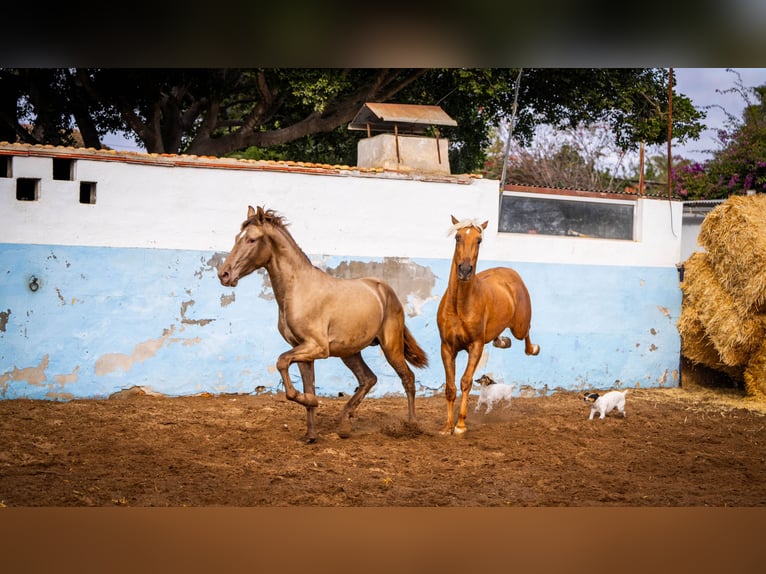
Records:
x=464, y=271
x=226, y=278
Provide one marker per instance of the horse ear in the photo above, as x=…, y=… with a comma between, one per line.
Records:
x=250, y=211
x=454, y=220
x=260, y=213
x=484, y=225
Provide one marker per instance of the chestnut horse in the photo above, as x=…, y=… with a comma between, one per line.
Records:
x=475, y=309
x=322, y=316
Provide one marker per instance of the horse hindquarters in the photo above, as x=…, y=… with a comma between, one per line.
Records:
x=523, y=317
x=512, y=305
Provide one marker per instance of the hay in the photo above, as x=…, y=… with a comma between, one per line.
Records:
x=697, y=348
x=755, y=375
x=734, y=235
x=734, y=336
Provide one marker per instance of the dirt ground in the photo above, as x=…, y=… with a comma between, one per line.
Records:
x=677, y=447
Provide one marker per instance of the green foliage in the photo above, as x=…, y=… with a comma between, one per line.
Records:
x=632, y=101
x=302, y=114
x=334, y=148
x=741, y=164
x=738, y=166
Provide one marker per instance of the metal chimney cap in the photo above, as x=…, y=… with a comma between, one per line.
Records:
x=406, y=118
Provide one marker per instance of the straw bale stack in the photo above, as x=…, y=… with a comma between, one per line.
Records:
x=734, y=336
x=697, y=346
x=755, y=375
x=734, y=235
x=723, y=316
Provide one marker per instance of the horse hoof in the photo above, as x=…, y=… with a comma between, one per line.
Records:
x=502, y=343
x=460, y=430
x=535, y=350
x=344, y=428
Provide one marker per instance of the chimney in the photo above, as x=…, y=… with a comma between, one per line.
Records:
x=404, y=144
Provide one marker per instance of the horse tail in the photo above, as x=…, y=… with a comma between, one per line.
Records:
x=414, y=354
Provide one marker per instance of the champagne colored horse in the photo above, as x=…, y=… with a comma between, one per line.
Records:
x=475, y=309
x=322, y=316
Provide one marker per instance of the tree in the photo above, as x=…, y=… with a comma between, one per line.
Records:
x=568, y=158
x=739, y=165
x=306, y=111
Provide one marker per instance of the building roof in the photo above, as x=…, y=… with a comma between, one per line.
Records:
x=212, y=162
x=407, y=118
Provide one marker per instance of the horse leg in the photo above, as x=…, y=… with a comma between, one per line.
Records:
x=395, y=358
x=523, y=333
x=466, y=382
x=529, y=348
x=305, y=352
x=450, y=392
x=307, y=375
x=367, y=380
x=502, y=342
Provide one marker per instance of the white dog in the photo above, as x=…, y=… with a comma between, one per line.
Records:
x=492, y=392
x=606, y=403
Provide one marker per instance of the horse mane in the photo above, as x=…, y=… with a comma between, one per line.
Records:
x=279, y=222
x=266, y=216
x=465, y=223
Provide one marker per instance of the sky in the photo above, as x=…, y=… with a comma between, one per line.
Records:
x=702, y=85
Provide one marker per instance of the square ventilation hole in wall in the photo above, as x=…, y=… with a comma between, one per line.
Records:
x=88, y=192
x=6, y=166
x=27, y=189
x=63, y=168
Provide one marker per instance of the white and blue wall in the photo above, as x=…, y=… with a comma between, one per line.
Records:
x=127, y=292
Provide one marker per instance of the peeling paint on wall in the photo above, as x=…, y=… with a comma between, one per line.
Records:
x=412, y=283
x=4, y=316
x=227, y=300
x=211, y=264
x=70, y=378
x=186, y=333
x=31, y=375
x=266, y=291
x=111, y=362
x=201, y=322
x=664, y=378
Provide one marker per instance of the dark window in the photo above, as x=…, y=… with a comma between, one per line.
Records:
x=557, y=216
x=5, y=166
x=63, y=168
x=27, y=189
x=87, y=192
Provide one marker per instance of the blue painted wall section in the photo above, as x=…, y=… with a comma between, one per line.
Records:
x=105, y=319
